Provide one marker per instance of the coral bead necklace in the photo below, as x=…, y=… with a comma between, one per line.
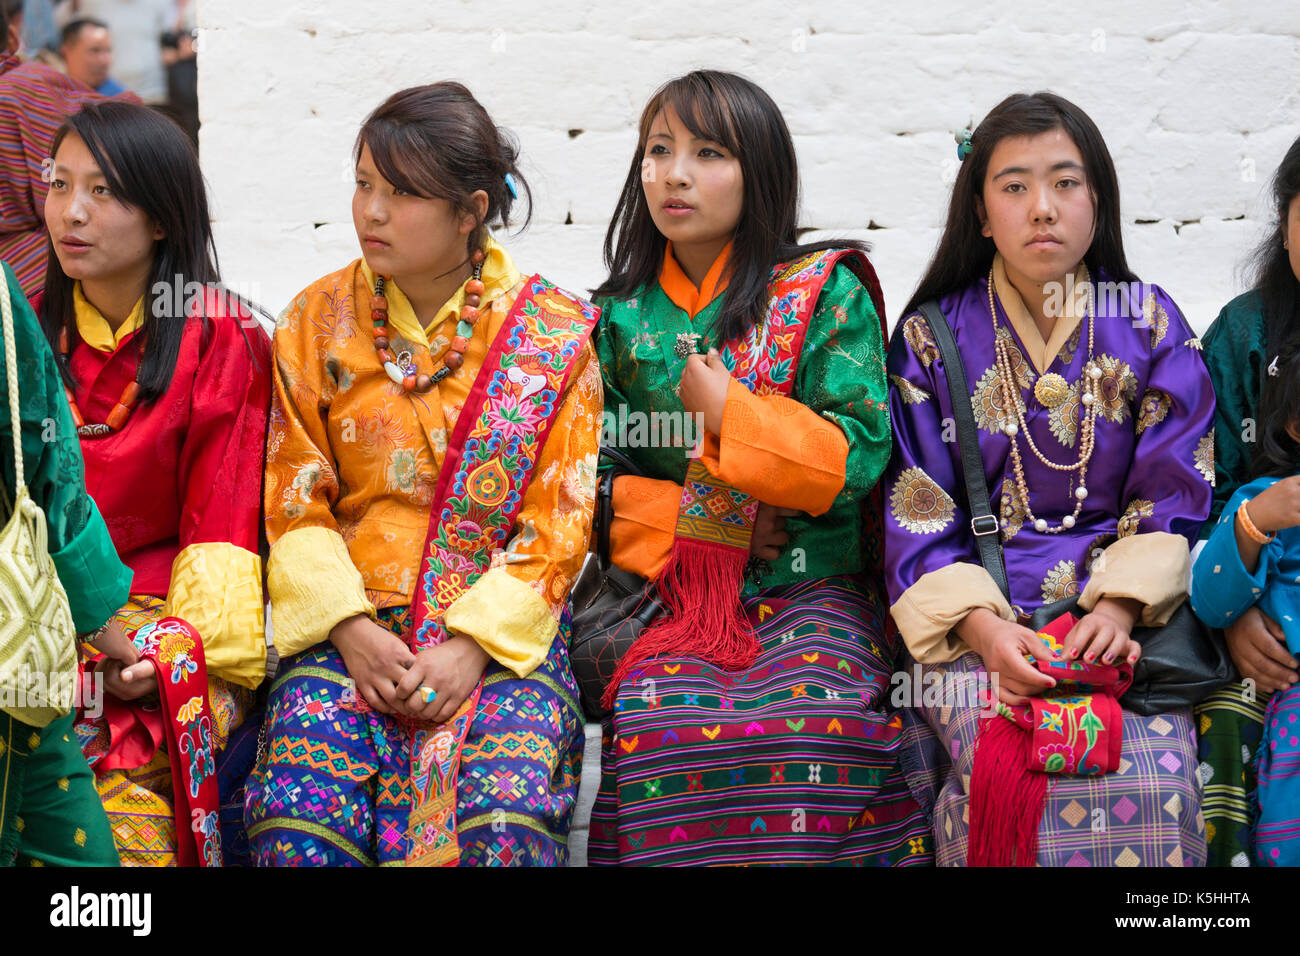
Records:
x=404, y=374
x=120, y=412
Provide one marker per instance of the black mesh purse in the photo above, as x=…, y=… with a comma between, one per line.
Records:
x=611, y=607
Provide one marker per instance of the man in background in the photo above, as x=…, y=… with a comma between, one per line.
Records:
x=137, y=27
x=87, y=51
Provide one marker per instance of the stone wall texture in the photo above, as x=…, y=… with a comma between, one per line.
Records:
x=1198, y=102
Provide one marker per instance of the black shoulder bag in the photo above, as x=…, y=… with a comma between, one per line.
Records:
x=611, y=607
x=1182, y=663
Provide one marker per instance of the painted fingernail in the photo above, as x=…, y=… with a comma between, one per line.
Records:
x=1108, y=658
x=1089, y=656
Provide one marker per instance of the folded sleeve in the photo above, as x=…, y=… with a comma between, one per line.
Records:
x=830, y=441
x=216, y=580
x=927, y=612
x=1222, y=588
x=645, y=523
x=1149, y=568
x=313, y=586
x=778, y=450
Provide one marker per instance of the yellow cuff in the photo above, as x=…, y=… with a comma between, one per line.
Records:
x=927, y=612
x=1151, y=568
x=217, y=588
x=506, y=618
x=313, y=585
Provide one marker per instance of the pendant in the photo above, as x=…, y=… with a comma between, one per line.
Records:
x=93, y=431
x=1051, y=390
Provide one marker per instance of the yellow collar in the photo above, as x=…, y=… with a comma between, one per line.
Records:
x=499, y=277
x=94, y=328
x=1041, y=353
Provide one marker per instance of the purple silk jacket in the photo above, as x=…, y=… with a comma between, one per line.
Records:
x=1152, y=468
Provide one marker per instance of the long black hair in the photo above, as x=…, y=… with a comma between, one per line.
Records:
x=736, y=113
x=438, y=142
x=1279, y=289
x=148, y=162
x=1277, y=452
x=965, y=255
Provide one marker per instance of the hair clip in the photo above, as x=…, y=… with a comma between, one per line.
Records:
x=963, y=138
x=1272, y=366
x=512, y=186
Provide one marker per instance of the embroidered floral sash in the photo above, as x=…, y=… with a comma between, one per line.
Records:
x=490, y=460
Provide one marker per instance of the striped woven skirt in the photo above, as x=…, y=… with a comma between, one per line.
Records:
x=331, y=786
x=1147, y=813
x=1231, y=723
x=793, y=761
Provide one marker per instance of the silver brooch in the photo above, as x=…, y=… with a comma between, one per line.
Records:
x=686, y=344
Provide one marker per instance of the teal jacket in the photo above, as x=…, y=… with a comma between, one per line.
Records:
x=97, y=582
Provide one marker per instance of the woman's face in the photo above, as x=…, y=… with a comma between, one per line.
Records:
x=97, y=237
x=1037, y=205
x=1293, y=235
x=693, y=187
x=402, y=235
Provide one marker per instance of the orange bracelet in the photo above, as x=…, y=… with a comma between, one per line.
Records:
x=1248, y=526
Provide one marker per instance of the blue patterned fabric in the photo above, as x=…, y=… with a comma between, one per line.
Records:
x=234, y=764
x=331, y=788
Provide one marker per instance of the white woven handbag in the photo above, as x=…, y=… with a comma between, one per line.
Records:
x=37, y=636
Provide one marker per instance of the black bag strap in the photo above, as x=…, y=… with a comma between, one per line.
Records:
x=622, y=465
x=984, y=524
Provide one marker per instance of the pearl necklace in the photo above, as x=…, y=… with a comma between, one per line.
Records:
x=1091, y=399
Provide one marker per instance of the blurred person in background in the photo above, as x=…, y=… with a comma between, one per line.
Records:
x=137, y=27
x=40, y=33
x=87, y=51
x=180, y=56
x=34, y=100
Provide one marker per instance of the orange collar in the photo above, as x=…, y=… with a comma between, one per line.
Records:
x=681, y=290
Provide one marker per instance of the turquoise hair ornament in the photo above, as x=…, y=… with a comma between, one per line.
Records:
x=963, y=138
x=512, y=186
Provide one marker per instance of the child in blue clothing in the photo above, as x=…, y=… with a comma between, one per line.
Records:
x=1253, y=559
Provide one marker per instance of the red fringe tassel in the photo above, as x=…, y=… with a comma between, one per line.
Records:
x=1006, y=797
x=700, y=590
